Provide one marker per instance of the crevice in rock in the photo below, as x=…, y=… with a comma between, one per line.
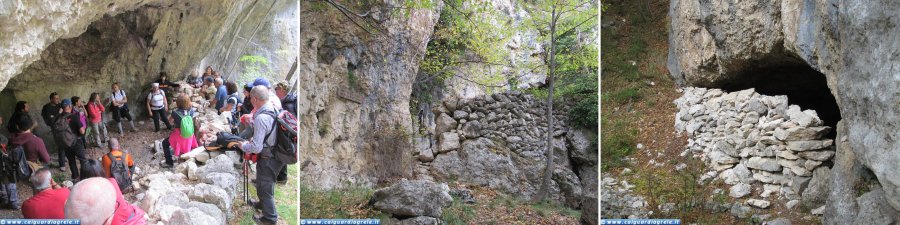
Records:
x=803, y=86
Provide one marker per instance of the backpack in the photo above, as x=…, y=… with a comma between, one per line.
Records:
x=62, y=131
x=119, y=170
x=187, y=124
x=13, y=165
x=285, y=149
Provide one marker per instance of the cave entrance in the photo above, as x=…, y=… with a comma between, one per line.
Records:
x=803, y=86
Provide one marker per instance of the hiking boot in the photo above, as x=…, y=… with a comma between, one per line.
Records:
x=12, y=206
x=261, y=220
x=165, y=165
x=281, y=181
x=62, y=168
x=256, y=204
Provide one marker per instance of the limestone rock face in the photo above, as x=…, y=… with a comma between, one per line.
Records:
x=79, y=47
x=355, y=83
x=716, y=44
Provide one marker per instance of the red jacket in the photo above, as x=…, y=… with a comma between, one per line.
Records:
x=47, y=204
x=94, y=110
x=126, y=214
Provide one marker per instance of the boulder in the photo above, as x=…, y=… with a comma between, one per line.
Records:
x=817, y=155
x=778, y=221
x=227, y=181
x=800, y=133
x=873, y=209
x=425, y=155
x=739, y=190
x=211, y=194
x=444, y=123
x=762, y=204
x=471, y=129
x=449, y=142
x=459, y=114
x=219, y=164
x=740, y=211
x=419, y=220
x=808, y=145
x=817, y=190
x=412, y=198
x=760, y=163
x=589, y=211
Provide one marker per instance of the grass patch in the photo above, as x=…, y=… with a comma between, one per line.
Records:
x=618, y=143
x=285, y=200
x=458, y=213
x=348, y=202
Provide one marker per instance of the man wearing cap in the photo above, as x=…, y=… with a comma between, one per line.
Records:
x=75, y=153
x=157, y=107
x=50, y=111
x=273, y=99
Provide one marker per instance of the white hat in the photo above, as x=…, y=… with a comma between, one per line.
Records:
x=155, y=84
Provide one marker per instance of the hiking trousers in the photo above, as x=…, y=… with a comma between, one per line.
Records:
x=9, y=194
x=76, y=154
x=99, y=129
x=60, y=150
x=266, y=170
x=160, y=114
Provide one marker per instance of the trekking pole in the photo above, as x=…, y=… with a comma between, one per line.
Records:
x=246, y=182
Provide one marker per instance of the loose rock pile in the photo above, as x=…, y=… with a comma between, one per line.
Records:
x=497, y=140
x=619, y=202
x=203, y=187
x=192, y=195
x=748, y=138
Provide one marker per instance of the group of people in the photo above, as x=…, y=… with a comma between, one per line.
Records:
x=97, y=180
x=77, y=124
x=250, y=117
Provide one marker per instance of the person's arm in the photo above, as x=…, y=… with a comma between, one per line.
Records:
x=149, y=97
x=42, y=151
x=45, y=113
x=261, y=125
x=100, y=105
x=165, y=101
x=106, y=162
x=130, y=162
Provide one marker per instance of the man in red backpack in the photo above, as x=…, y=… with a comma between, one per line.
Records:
x=262, y=142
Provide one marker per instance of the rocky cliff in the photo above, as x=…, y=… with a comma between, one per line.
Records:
x=849, y=43
x=355, y=82
x=76, y=48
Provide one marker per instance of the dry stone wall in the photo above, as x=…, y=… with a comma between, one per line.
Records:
x=498, y=140
x=751, y=140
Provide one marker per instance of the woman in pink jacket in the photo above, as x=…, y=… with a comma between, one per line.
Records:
x=95, y=111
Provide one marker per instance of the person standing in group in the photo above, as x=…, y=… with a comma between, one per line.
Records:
x=80, y=112
x=119, y=103
x=289, y=102
x=21, y=109
x=232, y=102
x=95, y=110
x=69, y=130
x=183, y=138
x=49, y=113
x=33, y=146
x=262, y=142
x=157, y=107
x=221, y=93
x=164, y=83
x=9, y=175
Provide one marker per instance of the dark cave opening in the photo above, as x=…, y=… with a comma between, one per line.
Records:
x=803, y=86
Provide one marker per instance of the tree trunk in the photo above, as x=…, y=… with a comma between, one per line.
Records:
x=548, y=170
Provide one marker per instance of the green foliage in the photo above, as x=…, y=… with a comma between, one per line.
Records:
x=615, y=146
x=254, y=66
